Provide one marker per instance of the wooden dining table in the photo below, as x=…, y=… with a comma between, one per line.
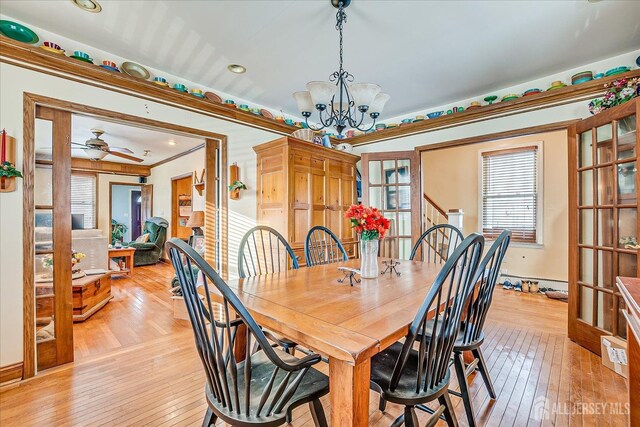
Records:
x=348, y=324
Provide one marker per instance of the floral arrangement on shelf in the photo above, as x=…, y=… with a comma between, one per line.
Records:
x=368, y=222
x=618, y=92
x=76, y=257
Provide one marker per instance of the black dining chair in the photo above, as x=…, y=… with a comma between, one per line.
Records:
x=471, y=335
x=412, y=376
x=260, y=390
x=322, y=246
x=435, y=244
x=265, y=251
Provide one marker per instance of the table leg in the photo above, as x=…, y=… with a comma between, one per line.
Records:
x=349, y=395
x=130, y=262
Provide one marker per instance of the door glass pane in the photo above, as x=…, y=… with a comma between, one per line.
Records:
x=605, y=185
x=604, y=318
x=586, y=188
x=404, y=247
x=586, y=304
x=375, y=197
x=44, y=297
x=43, y=233
x=604, y=144
x=374, y=172
x=627, y=265
x=627, y=183
x=586, y=266
x=628, y=228
x=393, y=223
x=404, y=169
x=605, y=269
x=585, y=154
x=43, y=186
x=404, y=223
x=605, y=227
x=586, y=227
x=390, y=176
x=627, y=137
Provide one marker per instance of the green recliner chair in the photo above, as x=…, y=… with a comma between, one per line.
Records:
x=149, y=252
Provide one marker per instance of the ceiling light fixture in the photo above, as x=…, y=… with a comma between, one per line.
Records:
x=236, y=68
x=172, y=142
x=343, y=98
x=89, y=5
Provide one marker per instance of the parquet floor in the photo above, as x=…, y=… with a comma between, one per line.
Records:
x=137, y=366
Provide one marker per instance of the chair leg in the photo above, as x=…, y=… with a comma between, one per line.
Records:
x=209, y=418
x=458, y=362
x=382, y=405
x=317, y=412
x=449, y=413
x=482, y=367
x=288, y=418
x=410, y=417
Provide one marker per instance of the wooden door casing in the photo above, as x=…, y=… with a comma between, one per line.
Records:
x=146, y=204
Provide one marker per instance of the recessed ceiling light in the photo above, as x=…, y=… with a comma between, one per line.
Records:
x=88, y=5
x=172, y=142
x=594, y=1
x=236, y=68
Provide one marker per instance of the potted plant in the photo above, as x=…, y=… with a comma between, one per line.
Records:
x=8, y=172
x=117, y=231
x=235, y=188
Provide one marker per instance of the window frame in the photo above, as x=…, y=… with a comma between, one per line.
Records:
x=538, y=145
x=97, y=189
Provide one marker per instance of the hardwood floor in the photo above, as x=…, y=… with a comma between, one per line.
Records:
x=135, y=365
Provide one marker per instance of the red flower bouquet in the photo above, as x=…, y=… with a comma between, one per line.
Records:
x=367, y=221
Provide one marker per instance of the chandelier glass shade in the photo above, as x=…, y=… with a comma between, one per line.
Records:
x=340, y=102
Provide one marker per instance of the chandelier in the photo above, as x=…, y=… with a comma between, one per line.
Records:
x=340, y=102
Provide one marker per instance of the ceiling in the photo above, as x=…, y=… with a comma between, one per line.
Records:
x=423, y=53
x=137, y=139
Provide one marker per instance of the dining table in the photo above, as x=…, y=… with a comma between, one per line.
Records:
x=348, y=323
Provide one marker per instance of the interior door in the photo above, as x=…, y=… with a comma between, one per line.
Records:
x=52, y=263
x=391, y=183
x=146, y=202
x=604, y=222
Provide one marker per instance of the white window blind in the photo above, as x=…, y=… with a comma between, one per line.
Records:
x=83, y=198
x=510, y=193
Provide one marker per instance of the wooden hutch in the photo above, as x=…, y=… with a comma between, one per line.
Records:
x=301, y=185
x=603, y=221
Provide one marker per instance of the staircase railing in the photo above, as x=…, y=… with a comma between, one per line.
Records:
x=433, y=214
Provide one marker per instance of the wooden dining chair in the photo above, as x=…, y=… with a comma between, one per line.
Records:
x=415, y=376
x=322, y=246
x=264, y=387
x=435, y=244
x=264, y=251
x=471, y=335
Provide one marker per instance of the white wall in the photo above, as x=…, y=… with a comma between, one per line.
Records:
x=14, y=82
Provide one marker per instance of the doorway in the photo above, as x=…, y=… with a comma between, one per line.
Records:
x=52, y=216
x=128, y=210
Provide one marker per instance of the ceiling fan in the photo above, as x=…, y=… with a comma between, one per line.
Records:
x=96, y=148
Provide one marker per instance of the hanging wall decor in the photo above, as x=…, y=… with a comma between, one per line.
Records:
x=236, y=185
x=8, y=171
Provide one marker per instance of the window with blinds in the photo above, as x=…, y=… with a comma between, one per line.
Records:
x=83, y=198
x=510, y=193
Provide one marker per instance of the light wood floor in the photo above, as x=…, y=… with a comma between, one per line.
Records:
x=137, y=366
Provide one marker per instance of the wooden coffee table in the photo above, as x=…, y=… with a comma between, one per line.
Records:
x=127, y=255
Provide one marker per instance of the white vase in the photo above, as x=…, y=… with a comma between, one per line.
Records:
x=369, y=258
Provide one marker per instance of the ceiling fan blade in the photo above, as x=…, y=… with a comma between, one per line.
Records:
x=121, y=150
x=125, y=156
x=77, y=143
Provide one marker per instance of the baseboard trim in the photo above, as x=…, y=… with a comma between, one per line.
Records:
x=556, y=285
x=10, y=373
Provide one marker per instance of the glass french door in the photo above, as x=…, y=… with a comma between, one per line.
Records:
x=604, y=225
x=391, y=183
x=52, y=238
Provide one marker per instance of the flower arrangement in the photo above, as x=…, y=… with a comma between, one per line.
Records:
x=76, y=257
x=7, y=169
x=618, y=92
x=237, y=185
x=367, y=221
